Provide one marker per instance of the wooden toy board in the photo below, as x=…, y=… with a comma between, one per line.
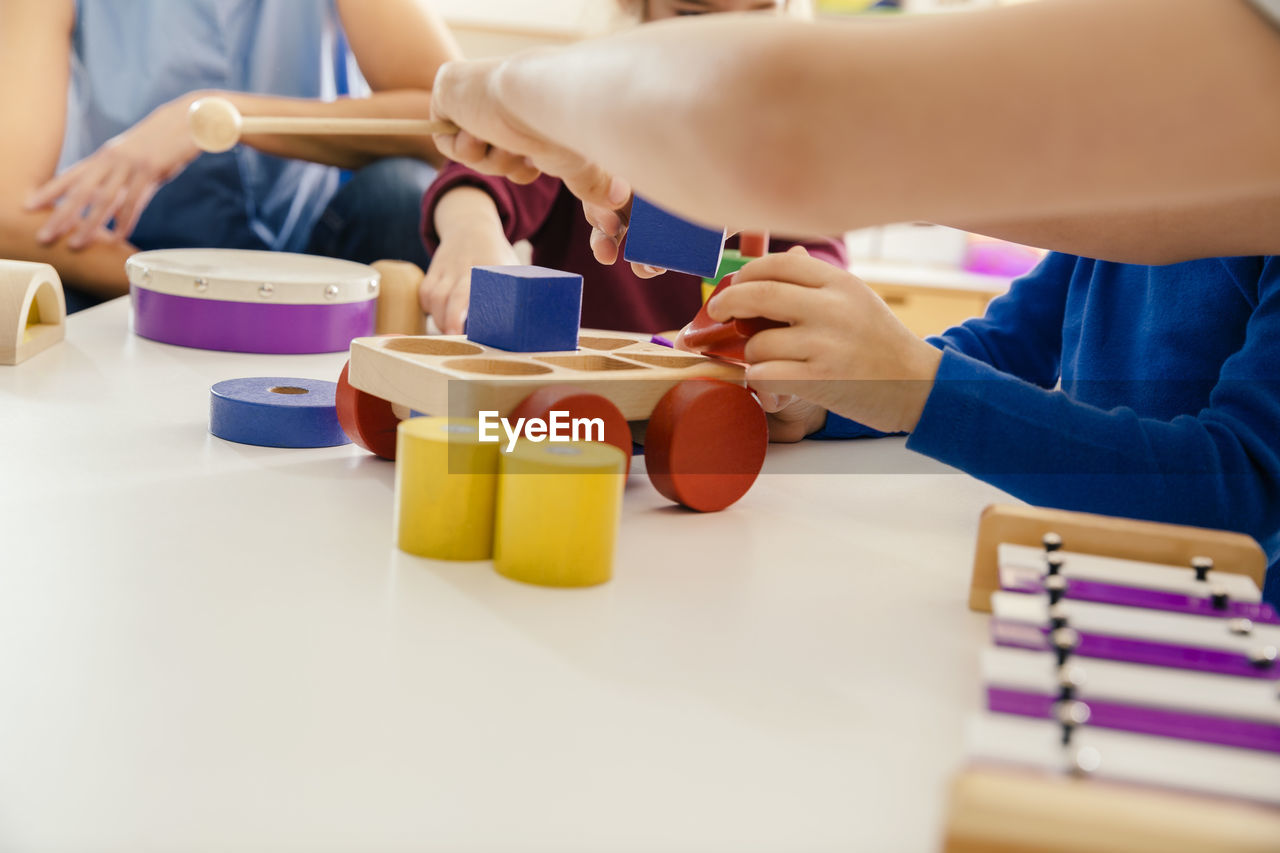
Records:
x=450, y=375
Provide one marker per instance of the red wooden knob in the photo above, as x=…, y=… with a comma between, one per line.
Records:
x=753, y=244
x=723, y=340
x=579, y=404
x=367, y=420
x=706, y=443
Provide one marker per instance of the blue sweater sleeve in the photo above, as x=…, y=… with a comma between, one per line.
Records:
x=1020, y=334
x=1217, y=468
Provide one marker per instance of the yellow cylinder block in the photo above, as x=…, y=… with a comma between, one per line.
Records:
x=558, y=511
x=446, y=488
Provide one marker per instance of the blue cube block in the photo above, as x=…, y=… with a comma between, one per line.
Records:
x=662, y=239
x=525, y=309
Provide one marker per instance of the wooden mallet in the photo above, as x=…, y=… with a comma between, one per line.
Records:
x=216, y=125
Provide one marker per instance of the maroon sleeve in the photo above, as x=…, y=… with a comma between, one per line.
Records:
x=522, y=207
x=829, y=249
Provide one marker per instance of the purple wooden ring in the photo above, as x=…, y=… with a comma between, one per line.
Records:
x=247, y=326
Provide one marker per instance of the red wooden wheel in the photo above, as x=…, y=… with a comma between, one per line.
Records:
x=367, y=420
x=706, y=443
x=578, y=404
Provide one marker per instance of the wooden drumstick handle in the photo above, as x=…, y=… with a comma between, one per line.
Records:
x=216, y=125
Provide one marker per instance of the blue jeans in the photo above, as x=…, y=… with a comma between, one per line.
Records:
x=373, y=216
x=376, y=214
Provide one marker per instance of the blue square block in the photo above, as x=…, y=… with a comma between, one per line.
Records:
x=662, y=239
x=525, y=309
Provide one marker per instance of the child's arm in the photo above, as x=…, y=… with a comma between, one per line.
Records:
x=1020, y=334
x=998, y=114
x=844, y=349
x=1218, y=468
x=471, y=220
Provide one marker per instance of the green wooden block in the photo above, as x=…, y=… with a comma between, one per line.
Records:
x=730, y=261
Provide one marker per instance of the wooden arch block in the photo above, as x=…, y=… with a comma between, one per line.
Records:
x=33, y=310
x=1123, y=538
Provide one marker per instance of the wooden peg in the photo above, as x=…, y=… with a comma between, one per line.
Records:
x=399, y=311
x=33, y=310
x=216, y=125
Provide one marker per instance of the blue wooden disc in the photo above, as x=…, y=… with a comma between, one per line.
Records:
x=276, y=411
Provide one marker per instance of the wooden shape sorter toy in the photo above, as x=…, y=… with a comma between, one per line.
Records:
x=451, y=376
x=33, y=310
x=1132, y=691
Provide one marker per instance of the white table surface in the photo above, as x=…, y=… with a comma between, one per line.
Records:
x=206, y=646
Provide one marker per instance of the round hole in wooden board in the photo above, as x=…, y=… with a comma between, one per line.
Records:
x=588, y=342
x=496, y=366
x=673, y=362
x=590, y=363
x=431, y=346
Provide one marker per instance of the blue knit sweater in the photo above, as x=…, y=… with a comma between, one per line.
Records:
x=1146, y=392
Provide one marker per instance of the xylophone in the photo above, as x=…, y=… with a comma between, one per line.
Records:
x=1132, y=690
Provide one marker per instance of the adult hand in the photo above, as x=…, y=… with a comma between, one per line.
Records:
x=608, y=227
x=117, y=181
x=844, y=349
x=493, y=141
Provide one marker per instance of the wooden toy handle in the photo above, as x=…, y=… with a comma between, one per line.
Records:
x=216, y=125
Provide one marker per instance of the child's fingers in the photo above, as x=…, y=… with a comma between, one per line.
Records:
x=791, y=266
x=779, y=377
x=788, y=343
x=775, y=300
x=455, y=310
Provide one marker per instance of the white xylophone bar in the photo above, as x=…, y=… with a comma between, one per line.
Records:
x=1149, y=686
x=1123, y=757
x=1021, y=564
x=1137, y=623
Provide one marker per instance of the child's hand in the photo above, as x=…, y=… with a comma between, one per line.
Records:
x=790, y=418
x=471, y=235
x=844, y=348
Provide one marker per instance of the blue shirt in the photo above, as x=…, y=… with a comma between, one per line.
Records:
x=1146, y=392
x=131, y=56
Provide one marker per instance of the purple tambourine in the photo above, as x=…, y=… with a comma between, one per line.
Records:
x=245, y=301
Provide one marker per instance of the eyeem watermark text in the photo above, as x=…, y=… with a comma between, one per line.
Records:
x=559, y=427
